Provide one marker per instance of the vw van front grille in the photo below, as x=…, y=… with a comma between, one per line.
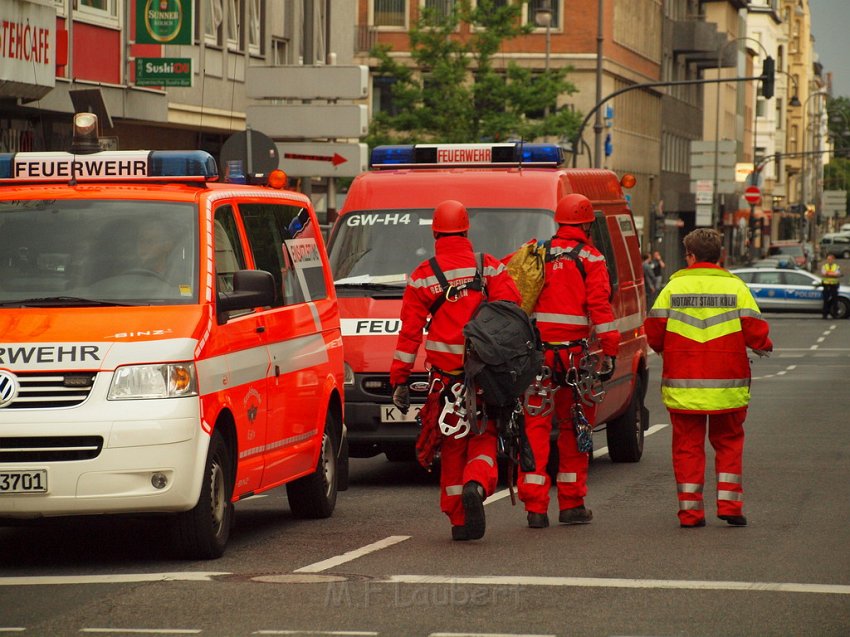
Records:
x=49, y=448
x=42, y=390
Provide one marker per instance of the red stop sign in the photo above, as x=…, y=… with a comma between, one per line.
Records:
x=753, y=195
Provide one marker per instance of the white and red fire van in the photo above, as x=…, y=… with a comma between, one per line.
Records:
x=510, y=190
x=168, y=344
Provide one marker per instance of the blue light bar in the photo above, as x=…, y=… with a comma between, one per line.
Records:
x=5, y=165
x=134, y=165
x=392, y=155
x=480, y=155
x=183, y=163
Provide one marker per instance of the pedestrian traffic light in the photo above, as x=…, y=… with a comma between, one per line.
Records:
x=768, y=72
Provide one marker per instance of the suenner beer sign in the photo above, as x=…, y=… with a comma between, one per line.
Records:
x=163, y=71
x=164, y=21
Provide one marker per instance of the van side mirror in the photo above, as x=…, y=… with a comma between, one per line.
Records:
x=251, y=288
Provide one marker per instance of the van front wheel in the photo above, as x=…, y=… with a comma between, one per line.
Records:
x=203, y=531
x=626, y=433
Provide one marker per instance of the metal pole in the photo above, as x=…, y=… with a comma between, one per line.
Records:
x=546, y=62
x=597, y=126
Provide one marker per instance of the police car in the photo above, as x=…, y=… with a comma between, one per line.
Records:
x=790, y=290
x=169, y=344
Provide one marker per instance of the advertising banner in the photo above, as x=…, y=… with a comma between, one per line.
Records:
x=164, y=22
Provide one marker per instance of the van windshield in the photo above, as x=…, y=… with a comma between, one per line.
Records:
x=384, y=246
x=76, y=253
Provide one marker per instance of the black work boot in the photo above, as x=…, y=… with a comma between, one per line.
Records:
x=537, y=520
x=459, y=533
x=575, y=515
x=734, y=520
x=473, y=509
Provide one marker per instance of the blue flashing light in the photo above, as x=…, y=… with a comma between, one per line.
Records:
x=542, y=154
x=6, y=165
x=392, y=155
x=182, y=163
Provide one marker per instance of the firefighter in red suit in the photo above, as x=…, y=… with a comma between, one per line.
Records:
x=702, y=323
x=569, y=304
x=468, y=470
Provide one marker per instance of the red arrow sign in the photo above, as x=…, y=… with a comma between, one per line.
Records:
x=753, y=195
x=336, y=159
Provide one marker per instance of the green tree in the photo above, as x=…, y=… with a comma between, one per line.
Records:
x=454, y=92
x=836, y=174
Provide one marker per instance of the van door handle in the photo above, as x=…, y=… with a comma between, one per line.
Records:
x=277, y=370
x=261, y=329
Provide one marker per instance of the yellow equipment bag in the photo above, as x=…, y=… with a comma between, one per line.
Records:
x=527, y=268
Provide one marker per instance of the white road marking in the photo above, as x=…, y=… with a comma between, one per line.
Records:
x=488, y=635
x=143, y=631
x=612, y=582
x=324, y=565
x=361, y=633
x=186, y=576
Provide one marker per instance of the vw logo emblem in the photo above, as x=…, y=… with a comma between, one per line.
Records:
x=419, y=386
x=8, y=388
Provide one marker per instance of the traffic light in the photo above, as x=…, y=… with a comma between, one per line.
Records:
x=768, y=72
x=778, y=164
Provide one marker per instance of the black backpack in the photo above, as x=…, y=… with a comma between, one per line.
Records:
x=503, y=352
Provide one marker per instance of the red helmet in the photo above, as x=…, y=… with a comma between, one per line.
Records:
x=450, y=217
x=574, y=209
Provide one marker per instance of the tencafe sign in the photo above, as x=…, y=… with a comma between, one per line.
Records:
x=164, y=22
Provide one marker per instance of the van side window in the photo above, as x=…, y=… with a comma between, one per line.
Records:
x=602, y=240
x=283, y=242
x=228, y=248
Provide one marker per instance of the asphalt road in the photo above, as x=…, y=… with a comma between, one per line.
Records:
x=384, y=563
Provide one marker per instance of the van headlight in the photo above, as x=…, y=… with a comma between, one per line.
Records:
x=170, y=380
x=348, y=375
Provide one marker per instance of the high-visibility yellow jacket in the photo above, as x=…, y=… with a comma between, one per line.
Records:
x=830, y=273
x=702, y=323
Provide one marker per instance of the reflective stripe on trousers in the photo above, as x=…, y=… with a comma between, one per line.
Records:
x=726, y=435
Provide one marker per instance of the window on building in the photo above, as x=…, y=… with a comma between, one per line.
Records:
x=255, y=31
x=106, y=10
x=280, y=51
x=213, y=18
x=442, y=8
x=382, y=96
x=389, y=13
x=234, y=24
